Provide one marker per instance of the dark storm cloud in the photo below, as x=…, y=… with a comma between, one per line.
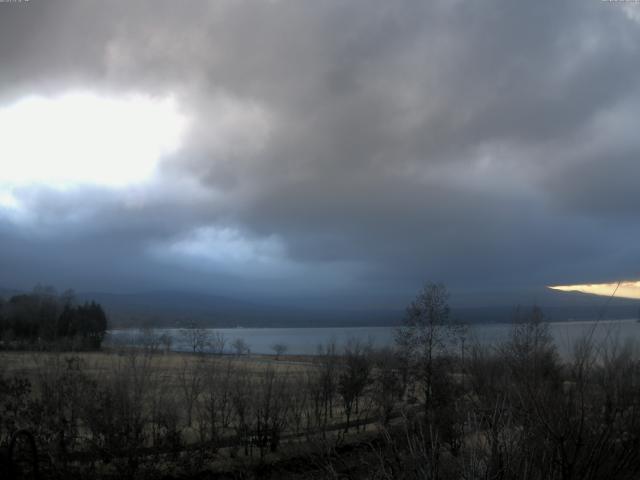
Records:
x=370, y=145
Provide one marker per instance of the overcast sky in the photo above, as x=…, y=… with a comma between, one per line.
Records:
x=287, y=149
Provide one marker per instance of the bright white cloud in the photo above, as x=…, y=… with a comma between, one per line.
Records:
x=85, y=139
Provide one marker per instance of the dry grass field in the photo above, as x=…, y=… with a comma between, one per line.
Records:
x=96, y=363
x=212, y=410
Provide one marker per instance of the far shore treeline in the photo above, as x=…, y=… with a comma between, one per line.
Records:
x=44, y=319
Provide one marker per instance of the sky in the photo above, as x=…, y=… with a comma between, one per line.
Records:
x=343, y=151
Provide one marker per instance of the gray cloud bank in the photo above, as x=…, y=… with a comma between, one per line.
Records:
x=342, y=149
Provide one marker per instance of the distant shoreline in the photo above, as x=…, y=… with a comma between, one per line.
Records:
x=333, y=327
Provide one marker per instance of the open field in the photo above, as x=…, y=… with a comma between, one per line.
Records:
x=97, y=363
x=103, y=408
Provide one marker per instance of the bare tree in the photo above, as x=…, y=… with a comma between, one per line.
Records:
x=190, y=378
x=299, y=403
x=217, y=342
x=243, y=402
x=166, y=340
x=196, y=338
x=271, y=410
x=388, y=387
x=530, y=348
x=426, y=332
x=117, y=412
x=354, y=377
x=216, y=406
x=149, y=339
x=327, y=379
x=240, y=346
x=279, y=349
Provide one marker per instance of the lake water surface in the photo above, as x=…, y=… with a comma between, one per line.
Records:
x=306, y=340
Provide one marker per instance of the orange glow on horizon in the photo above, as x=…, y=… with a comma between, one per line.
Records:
x=627, y=289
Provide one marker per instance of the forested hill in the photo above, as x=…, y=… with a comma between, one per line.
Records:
x=176, y=309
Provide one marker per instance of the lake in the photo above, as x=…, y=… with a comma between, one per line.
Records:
x=305, y=341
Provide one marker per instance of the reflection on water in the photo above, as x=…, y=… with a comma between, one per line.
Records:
x=306, y=340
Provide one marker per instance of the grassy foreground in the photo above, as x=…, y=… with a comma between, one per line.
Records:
x=138, y=412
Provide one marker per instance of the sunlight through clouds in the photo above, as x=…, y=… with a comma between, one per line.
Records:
x=228, y=245
x=228, y=249
x=85, y=139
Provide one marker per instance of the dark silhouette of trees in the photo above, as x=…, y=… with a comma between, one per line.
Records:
x=425, y=335
x=388, y=389
x=354, y=377
x=44, y=318
x=86, y=322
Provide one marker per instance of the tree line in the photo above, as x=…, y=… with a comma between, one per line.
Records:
x=46, y=319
